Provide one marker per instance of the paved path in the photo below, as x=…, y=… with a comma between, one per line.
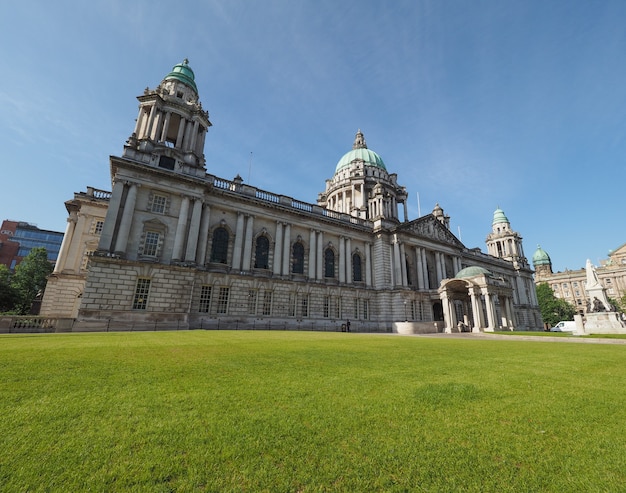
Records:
x=537, y=338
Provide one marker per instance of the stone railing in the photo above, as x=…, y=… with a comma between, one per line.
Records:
x=265, y=196
x=32, y=323
x=98, y=194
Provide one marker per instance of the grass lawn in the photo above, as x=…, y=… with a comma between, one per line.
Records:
x=297, y=411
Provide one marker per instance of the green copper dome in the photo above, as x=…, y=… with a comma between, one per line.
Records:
x=499, y=217
x=362, y=153
x=471, y=271
x=541, y=257
x=183, y=73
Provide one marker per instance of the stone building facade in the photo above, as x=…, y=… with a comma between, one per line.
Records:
x=174, y=244
x=570, y=284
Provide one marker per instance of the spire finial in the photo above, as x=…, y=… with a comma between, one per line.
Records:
x=359, y=141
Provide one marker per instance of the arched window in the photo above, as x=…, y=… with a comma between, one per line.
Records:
x=356, y=268
x=329, y=263
x=297, y=258
x=219, y=249
x=409, y=280
x=261, y=253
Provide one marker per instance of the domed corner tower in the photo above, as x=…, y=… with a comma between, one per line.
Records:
x=171, y=126
x=362, y=187
x=542, y=264
x=505, y=243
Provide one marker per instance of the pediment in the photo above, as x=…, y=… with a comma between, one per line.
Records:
x=429, y=227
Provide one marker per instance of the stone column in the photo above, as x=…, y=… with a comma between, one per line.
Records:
x=447, y=320
x=420, y=268
x=194, y=135
x=405, y=279
x=181, y=132
x=278, y=249
x=154, y=132
x=194, y=230
x=477, y=309
x=348, y=261
x=200, y=143
x=368, y=264
x=320, y=255
x=106, y=237
x=286, y=249
x=204, y=233
x=181, y=228
x=342, y=259
x=438, y=266
x=312, y=249
x=397, y=270
x=238, y=242
x=141, y=118
x=406, y=211
x=65, y=244
x=491, y=312
x=151, y=118
x=127, y=219
x=166, y=126
x=247, y=245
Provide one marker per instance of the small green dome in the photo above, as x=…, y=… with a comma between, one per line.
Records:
x=499, y=217
x=471, y=271
x=183, y=73
x=362, y=153
x=541, y=257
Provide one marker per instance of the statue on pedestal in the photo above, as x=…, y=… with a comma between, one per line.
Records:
x=601, y=316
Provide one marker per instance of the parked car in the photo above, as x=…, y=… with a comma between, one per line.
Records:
x=565, y=326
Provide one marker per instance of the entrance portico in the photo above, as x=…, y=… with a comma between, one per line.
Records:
x=476, y=300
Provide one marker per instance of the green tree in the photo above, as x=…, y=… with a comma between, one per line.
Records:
x=30, y=278
x=8, y=296
x=553, y=309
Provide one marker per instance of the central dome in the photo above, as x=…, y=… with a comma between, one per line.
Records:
x=360, y=152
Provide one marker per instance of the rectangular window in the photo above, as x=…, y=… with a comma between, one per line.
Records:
x=292, y=305
x=252, y=302
x=412, y=314
x=356, y=309
x=366, y=310
x=338, y=307
x=97, y=229
x=140, y=301
x=222, y=300
x=267, y=303
x=158, y=204
x=304, y=306
x=205, y=299
x=151, y=244
x=326, y=306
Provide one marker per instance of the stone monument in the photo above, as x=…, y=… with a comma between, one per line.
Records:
x=601, y=317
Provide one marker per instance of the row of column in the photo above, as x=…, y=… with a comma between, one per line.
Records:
x=399, y=266
x=155, y=125
x=191, y=233
x=507, y=247
x=116, y=229
x=482, y=301
x=193, y=224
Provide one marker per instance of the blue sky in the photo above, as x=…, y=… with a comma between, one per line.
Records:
x=474, y=104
